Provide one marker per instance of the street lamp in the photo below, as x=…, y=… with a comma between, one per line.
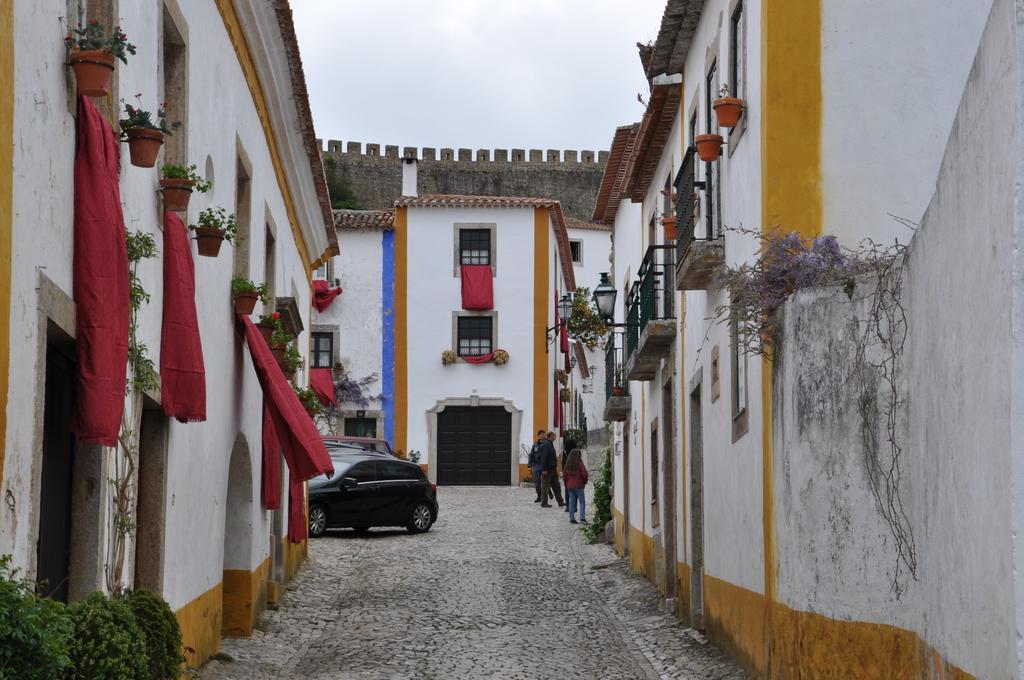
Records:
x=604, y=297
x=565, y=307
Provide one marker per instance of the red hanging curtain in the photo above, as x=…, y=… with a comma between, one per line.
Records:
x=100, y=285
x=477, y=286
x=321, y=381
x=297, y=524
x=271, y=462
x=182, y=373
x=323, y=294
x=301, y=443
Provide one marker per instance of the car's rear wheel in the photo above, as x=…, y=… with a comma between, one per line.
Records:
x=317, y=521
x=420, y=519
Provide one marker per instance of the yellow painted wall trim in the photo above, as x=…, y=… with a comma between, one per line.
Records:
x=244, y=598
x=541, y=295
x=6, y=209
x=259, y=99
x=200, y=622
x=401, y=358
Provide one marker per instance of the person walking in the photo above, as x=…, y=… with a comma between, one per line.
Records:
x=533, y=462
x=576, y=477
x=549, y=465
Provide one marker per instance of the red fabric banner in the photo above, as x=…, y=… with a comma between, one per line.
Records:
x=477, y=286
x=271, y=478
x=182, y=373
x=323, y=294
x=565, y=340
x=297, y=524
x=321, y=381
x=480, y=359
x=100, y=286
x=300, y=441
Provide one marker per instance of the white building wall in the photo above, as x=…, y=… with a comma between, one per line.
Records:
x=221, y=120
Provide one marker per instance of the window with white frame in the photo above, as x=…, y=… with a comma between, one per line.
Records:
x=576, y=251
x=323, y=272
x=475, y=335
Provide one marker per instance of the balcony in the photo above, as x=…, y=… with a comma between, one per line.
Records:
x=700, y=253
x=617, y=403
x=650, y=317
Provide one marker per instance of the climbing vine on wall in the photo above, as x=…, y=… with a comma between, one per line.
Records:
x=872, y=276
x=142, y=377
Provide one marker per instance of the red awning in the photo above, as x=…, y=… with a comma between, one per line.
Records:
x=477, y=286
x=100, y=285
x=321, y=381
x=182, y=374
x=323, y=294
x=300, y=441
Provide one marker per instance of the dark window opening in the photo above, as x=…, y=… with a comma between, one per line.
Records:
x=361, y=427
x=475, y=335
x=323, y=350
x=737, y=52
x=576, y=251
x=474, y=246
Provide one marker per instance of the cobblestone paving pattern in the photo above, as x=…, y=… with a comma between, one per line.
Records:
x=499, y=588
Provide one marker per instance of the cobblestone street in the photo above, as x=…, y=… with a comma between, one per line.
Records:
x=499, y=588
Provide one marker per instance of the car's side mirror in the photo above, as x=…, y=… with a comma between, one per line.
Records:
x=349, y=482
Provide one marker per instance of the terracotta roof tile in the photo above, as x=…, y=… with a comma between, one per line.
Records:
x=576, y=223
x=364, y=220
x=655, y=129
x=678, y=24
x=610, y=193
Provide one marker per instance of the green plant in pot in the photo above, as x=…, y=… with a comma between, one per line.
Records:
x=291, y=361
x=267, y=324
x=246, y=293
x=144, y=135
x=215, y=226
x=91, y=55
x=177, y=182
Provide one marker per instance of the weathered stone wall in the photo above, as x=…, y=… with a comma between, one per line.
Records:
x=572, y=177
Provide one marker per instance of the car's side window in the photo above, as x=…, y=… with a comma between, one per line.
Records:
x=397, y=471
x=364, y=472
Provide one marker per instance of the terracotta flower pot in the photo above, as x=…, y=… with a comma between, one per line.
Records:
x=291, y=376
x=209, y=239
x=144, y=145
x=94, y=70
x=669, y=223
x=265, y=331
x=245, y=303
x=176, y=194
x=278, y=356
x=728, y=110
x=616, y=391
x=709, y=147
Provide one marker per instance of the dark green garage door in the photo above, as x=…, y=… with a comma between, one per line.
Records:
x=474, y=446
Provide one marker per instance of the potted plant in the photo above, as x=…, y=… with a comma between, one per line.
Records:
x=215, y=226
x=709, y=147
x=448, y=357
x=565, y=394
x=290, y=361
x=668, y=222
x=617, y=391
x=177, y=183
x=246, y=293
x=268, y=323
x=144, y=136
x=561, y=376
x=92, y=56
x=728, y=109
x=309, y=400
x=500, y=357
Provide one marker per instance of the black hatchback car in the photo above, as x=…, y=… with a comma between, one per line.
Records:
x=368, y=490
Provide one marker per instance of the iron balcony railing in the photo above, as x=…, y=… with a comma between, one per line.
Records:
x=656, y=297
x=614, y=360
x=632, y=319
x=687, y=203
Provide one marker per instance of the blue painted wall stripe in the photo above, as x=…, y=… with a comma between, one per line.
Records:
x=387, y=354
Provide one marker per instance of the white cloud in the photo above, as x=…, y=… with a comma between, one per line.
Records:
x=474, y=73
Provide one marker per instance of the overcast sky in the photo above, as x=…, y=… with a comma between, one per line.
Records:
x=558, y=74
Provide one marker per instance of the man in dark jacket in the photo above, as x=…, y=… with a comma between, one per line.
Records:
x=533, y=462
x=549, y=464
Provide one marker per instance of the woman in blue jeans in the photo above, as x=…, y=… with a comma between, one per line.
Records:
x=575, y=475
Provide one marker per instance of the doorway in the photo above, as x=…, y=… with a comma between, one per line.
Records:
x=474, y=446
x=152, y=496
x=696, y=511
x=53, y=548
x=668, y=526
x=626, y=435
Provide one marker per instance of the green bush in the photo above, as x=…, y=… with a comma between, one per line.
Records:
x=602, y=500
x=108, y=643
x=35, y=632
x=163, y=635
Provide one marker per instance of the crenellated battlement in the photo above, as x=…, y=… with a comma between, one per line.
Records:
x=371, y=151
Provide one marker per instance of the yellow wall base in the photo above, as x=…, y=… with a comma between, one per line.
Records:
x=200, y=622
x=245, y=597
x=641, y=553
x=734, y=618
x=294, y=556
